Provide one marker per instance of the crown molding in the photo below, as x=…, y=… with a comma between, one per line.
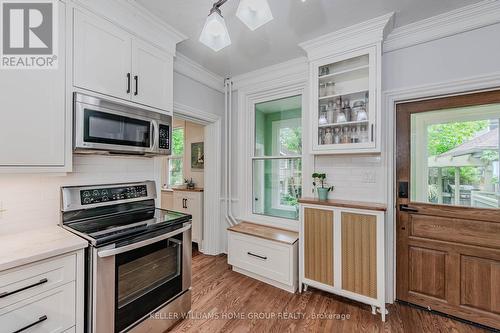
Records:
x=284, y=73
x=185, y=66
x=138, y=21
x=349, y=38
x=457, y=21
x=192, y=113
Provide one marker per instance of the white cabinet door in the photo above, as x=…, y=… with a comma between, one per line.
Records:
x=191, y=203
x=102, y=56
x=33, y=114
x=152, y=76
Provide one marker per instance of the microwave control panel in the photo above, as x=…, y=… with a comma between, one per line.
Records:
x=97, y=195
x=164, y=137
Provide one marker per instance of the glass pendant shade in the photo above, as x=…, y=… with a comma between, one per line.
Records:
x=215, y=34
x=254, y=13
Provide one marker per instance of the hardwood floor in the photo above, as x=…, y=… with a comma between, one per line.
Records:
x=221, y=295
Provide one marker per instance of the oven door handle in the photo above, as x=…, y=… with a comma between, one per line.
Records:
x=130, y=247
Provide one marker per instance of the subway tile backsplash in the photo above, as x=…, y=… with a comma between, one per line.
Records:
x=34, y=200
x=360, y=177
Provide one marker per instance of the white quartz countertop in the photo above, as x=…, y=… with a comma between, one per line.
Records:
x=21, y=247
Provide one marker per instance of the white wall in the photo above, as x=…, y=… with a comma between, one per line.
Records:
x=33, y=200
x=469, y=54
x=197, y=95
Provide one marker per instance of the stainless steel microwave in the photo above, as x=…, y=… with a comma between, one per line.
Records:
x=102, y=126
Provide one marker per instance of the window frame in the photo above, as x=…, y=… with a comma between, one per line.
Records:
x=246, y=102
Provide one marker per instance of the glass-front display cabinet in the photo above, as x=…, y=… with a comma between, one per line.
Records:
x=344, y=103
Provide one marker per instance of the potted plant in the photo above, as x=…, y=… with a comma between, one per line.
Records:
x=319, y=179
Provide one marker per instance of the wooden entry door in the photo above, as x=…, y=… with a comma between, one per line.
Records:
x=448, y=220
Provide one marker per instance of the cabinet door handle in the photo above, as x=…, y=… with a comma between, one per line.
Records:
x=186, y=203
x=136, y=79
x=128, y=83
x=372, y=132
x=256, y=255
x=42, y=318
x=8, y=293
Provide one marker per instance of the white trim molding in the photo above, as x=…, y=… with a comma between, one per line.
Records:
x=283, y=81
x=213, y=224
x=390, y=99
x=195, y=114
x=185, y=66
x=349, y=38
x=457, y=21
x=281, y=74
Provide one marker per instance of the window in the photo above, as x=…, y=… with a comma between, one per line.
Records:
x=456, y=162
x=277, y=160
x=175, y=161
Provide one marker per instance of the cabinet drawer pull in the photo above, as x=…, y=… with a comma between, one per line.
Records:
x=256, y=255
x=8, y=293
x=42, y=318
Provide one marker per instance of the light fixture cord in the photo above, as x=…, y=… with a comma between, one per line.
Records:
x=216, y=6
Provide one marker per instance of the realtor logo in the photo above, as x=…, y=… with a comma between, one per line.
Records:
x=29, y=34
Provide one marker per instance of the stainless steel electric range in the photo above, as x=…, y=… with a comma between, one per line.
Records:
x=138, y=265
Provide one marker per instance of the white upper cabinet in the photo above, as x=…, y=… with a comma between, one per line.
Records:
x=345, y=69
x=102, y=56
x=152, y=81
x=34, y=115
x=111, y=61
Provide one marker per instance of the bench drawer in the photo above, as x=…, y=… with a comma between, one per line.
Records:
x=263, y=257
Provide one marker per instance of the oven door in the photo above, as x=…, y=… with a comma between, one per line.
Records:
x=114, y=131
x=140, y=276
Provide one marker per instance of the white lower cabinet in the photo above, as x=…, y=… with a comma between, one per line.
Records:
x=191, y=203
x=52, y=311
x=45, y=296
x=267, y=260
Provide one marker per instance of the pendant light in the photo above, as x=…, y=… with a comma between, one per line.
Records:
x=254, y=13
x=215, y=34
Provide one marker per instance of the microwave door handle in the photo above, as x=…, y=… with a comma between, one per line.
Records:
x=155, y=133
x=133, y=246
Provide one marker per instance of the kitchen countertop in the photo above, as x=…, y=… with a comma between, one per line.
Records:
x=23, y=247
x=344, y=203
x=196, y=189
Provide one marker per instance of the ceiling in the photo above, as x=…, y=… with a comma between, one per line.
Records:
x=294, y=22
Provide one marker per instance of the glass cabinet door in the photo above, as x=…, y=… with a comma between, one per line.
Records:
x=345, y=103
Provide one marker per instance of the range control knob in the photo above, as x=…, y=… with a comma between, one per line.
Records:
x=86, y=194
x=86, y=200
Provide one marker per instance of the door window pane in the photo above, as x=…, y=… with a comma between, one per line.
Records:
x=454, y=156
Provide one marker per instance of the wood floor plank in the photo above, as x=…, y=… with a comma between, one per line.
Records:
x=226, y=301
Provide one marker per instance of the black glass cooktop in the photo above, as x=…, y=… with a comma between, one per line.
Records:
x=118, y=222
